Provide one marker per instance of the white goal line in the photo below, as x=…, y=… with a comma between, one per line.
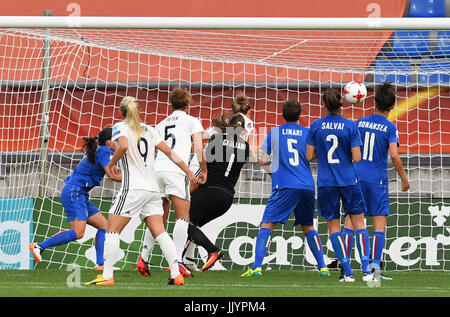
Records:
x=84, y=22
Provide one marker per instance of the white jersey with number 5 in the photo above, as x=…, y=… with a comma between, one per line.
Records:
x=138, y=162
x=177, y=130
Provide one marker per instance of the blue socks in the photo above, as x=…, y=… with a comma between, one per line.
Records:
x=337, y=241
x=378, y=242
x=348, y=236
x=58, y=239
x=99, y=246
x=315, y=245
x=262, y=246
x=363, y=245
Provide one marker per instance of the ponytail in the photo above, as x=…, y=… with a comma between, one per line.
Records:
x=332, y=99
x=241, y=103
x=130, y=113
x=222, y=122
x=90, y=146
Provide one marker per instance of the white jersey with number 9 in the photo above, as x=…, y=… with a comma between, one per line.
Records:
x=137, y=164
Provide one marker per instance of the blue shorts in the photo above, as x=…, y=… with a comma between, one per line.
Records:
x=75, y=201
x=329, y=198
x=376, y=197
x=284, y=201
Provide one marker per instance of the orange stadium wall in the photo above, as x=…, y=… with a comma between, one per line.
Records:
x=80, y=113
x=205, y=8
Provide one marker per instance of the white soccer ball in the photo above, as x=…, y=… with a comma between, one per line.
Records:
x=355, y=92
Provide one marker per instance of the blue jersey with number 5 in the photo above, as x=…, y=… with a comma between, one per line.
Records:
x=290, y=168
x=377, y=132
x=334, y=137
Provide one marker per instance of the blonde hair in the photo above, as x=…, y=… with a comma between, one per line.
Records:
x=130, y=112
x=241, y=104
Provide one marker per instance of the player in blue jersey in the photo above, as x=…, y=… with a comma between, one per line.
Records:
x=336, y=141
x=293, y=189
x=75, y=197
x=380, y=138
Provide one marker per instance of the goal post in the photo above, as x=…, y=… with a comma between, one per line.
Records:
x=96, y=61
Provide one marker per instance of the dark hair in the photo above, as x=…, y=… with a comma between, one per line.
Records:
x=241, y=103
x=385, y=97
x=291, y=110
x=180, y=98
x=90, y=144
x=234, y=121
x=332, y=99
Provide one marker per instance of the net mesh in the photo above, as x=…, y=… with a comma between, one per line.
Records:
x=90, y=71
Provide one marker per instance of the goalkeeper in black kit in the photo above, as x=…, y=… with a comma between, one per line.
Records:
x=226, y=153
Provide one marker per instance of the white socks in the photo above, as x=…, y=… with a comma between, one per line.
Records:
x=170, y=254
x=148, y=244
x=180, y=236
x=111, y=253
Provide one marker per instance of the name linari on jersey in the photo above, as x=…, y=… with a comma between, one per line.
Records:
x=372, y=125
x=332, y=125
x=291, y=132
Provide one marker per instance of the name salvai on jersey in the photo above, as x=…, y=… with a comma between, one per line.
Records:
x=332, y=126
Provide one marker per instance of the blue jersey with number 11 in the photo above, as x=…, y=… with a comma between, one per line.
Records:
x=290, y=168
x=334, y=137
x=377, y=132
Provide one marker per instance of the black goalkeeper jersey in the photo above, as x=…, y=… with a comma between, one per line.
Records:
x=225, y=154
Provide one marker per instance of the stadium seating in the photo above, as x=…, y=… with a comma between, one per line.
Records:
x=426, y=8
x=434, y=72
x=413, y=44
x=383, y=67
x=442, y=44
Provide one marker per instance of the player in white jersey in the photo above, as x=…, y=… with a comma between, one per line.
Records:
x=140, y=194
x=179, y=130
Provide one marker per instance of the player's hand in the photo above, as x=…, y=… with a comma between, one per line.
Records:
x=192, y=178
x=202, y=177
x=193, y=187
x=405, y=185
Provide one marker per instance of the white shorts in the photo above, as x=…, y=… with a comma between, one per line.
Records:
x=137, y=202
x=172, y=183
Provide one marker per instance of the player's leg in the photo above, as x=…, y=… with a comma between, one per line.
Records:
x=73, y=199
x=261, y=247
x=378, y=242
x=152, y=215
x=97, y=220
x=328, y=206
x=149, y=242
x=180, y=229
x=304, y=216
x=348, y=233
x=354, y=206
x=376, y=197
x=205, y=208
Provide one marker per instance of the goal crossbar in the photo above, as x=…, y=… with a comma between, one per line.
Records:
x=84, y=22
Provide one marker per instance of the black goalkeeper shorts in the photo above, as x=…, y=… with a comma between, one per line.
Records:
x=209, y=203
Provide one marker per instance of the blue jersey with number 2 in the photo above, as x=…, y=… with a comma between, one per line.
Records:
x=334, y=137
x=290, y=169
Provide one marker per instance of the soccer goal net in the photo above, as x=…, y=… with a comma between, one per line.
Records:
x=59, y=84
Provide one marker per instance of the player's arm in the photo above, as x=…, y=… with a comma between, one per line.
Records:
x=265, y=160
x=174, y=157
x=397, y=162
x=121, y=148
x=198, y=150
x=311, y=153
x=113, y=173
x=356, y=154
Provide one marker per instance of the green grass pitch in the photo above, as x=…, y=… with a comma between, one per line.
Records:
x=283, y=283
